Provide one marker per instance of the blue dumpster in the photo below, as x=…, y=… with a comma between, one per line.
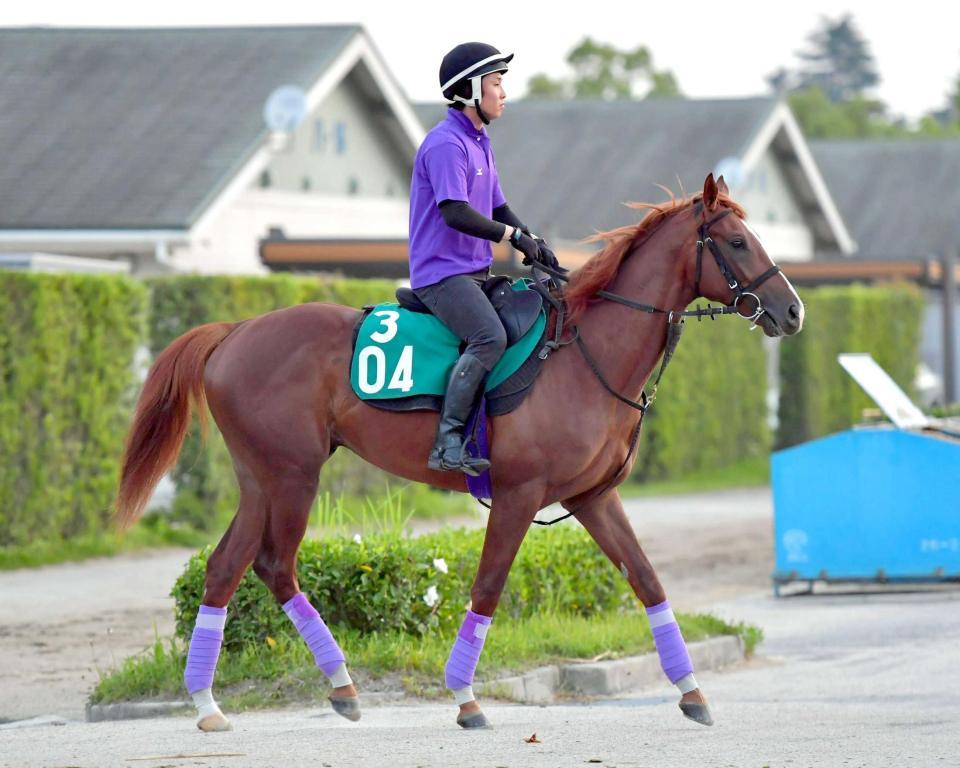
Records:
x=870, y=504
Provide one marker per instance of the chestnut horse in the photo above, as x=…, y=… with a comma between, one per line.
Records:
x=278, y=387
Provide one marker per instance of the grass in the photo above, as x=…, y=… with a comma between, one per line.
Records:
x=151, y=532
x=390, y=512
x=747, y=473
x=281, y=670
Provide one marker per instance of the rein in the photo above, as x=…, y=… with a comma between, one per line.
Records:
x=675, y=324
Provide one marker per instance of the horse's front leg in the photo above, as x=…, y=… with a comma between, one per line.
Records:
x=607, y=523
x=510, y=516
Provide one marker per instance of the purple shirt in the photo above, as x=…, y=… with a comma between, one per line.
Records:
x=454, y=162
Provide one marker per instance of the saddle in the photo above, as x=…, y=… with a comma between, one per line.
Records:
x=403, y=355
x=517, y=310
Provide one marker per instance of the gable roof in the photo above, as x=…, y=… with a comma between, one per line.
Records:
x=899, y=196
x=568, y=166
x=140, y=128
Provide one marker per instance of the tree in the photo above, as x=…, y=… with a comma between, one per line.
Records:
x=601, y=71
x=838, y=61
x=827, y=91
x=822, y=118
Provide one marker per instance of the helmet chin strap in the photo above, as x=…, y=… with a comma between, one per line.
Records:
x=483, y=118
x=474, y=100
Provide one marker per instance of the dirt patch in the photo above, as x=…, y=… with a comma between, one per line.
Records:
x=62, y=624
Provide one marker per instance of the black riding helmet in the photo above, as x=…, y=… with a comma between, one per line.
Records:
x=469, y=62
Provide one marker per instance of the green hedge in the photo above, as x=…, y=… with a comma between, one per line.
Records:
x=67, y=387
x=207, y=491
x=711, y=406
x=381, y=582
x=817, y=397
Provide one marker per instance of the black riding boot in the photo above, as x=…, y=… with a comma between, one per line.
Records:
x=466, y=381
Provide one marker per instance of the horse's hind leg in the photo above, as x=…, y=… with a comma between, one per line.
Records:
x=225, y=567
x=607, y=523
x=291, y=498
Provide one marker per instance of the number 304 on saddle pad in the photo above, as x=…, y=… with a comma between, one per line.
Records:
x=400, y=353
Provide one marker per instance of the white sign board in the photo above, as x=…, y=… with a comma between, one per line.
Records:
x=885, y=392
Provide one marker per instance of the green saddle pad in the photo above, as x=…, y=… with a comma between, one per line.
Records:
x=400, y=353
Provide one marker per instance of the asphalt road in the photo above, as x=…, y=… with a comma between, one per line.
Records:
x=842, y=681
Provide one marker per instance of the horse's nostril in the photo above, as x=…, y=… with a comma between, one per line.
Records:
x=793, y=312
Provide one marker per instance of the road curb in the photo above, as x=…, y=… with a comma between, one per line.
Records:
x=542, y=685
x=606, y=678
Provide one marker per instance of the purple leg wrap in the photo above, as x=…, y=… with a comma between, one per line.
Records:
x=312, y=629
x=674, y=658
x=204, y=648
x=465, y=654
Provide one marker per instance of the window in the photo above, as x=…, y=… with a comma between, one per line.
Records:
x=319, y=136
x=341, y=138
x=265, y=180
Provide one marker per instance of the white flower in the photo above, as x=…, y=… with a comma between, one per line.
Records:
x=440, y=564
x=356, y=538
x=432, y=596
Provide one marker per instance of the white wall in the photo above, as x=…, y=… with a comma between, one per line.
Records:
x=359, y=187
x=773, y=213
x=230, y=243
x=342, y=149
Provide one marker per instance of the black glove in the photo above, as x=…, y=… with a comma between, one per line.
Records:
x=526, y=245
x=547, y=257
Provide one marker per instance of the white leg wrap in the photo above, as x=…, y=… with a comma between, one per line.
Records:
x=464, y=695
x=340, y=677
x=687, y=683
x=206, y=706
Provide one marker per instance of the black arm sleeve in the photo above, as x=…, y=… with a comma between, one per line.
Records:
x=505, y=215
x=460, y=216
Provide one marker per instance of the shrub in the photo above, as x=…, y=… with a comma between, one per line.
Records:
x=381, y=583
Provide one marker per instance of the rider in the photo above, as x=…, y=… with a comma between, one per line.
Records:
x=456, y=210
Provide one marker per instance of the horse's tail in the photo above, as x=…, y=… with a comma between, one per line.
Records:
x=163, y=415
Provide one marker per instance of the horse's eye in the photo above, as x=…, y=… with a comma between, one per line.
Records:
x=738, y=242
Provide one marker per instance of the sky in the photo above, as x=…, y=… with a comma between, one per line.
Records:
x=714, y=49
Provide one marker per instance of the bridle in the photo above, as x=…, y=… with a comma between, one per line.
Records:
x=740, y=292
x=675, y=322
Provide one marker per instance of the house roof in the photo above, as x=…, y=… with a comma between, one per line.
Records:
x=138, y=128
x=900, y=197
x=567, y=167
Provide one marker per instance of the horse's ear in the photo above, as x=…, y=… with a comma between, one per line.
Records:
x=710, y=193
x=722, y=187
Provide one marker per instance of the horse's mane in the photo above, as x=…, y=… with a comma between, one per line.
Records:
x=600, y=270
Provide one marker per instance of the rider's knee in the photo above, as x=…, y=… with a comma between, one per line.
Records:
x=489, y=346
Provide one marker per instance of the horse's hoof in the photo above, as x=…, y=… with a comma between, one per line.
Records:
x=474, y=720
x=699, y=713
x=346, y=706
x=215, y=722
